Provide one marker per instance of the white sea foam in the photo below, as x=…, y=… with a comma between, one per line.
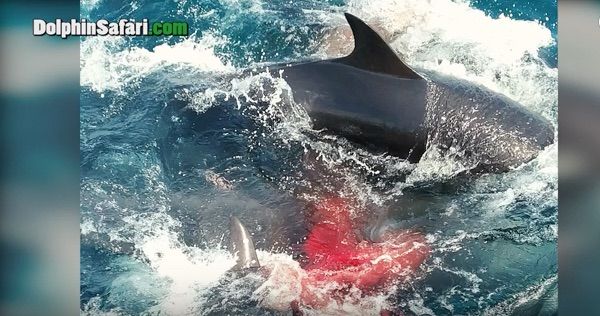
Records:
x=108, y=64
x=501, y=54
x=284, y=285
x=523, y=299
x=455, y=39
x=87, y=5
x=441, y=35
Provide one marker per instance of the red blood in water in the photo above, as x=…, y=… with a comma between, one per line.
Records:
x=331, y=243
x=335, y=253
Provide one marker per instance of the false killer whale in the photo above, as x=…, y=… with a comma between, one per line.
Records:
x=242, y=246
x=373, y=98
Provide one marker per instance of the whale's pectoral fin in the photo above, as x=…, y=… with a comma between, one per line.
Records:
x=242, y=246
x=372, y=53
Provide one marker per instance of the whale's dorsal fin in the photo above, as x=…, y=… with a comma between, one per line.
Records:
x=242, y=246
x=372, y=53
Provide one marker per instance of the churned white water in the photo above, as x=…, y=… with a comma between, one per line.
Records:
x=173, y=277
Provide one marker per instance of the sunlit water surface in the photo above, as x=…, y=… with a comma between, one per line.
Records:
x=174, y=141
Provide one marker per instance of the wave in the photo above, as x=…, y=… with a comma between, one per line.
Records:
x=109, y=64
x=446, y=36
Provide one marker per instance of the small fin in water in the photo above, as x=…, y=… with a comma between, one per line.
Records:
x=242, y=246
x=372, y=53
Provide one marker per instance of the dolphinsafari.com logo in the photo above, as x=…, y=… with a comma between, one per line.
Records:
x=124, y=27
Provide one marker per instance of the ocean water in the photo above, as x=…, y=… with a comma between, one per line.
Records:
x=174, y=141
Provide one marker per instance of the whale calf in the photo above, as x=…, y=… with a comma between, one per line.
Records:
x=373, y=98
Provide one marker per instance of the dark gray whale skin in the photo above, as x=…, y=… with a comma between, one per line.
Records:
x=373, y=98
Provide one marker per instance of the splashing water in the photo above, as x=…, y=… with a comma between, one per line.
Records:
x=166, y=121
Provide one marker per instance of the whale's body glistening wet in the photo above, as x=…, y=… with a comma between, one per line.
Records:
x=374, y=98
x=159, y=184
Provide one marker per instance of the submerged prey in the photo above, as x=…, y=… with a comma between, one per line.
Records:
x=339, y=266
